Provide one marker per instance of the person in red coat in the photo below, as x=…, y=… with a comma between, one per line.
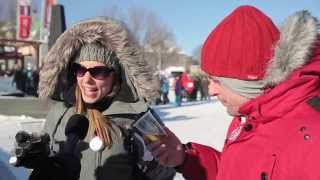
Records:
x=270, y=83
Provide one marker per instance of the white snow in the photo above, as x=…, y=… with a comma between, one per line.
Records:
x=202, y=122
x=9, y=126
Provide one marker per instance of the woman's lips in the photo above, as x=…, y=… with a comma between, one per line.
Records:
x=90, y=91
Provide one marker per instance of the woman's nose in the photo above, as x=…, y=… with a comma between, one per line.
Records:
x=213, y=89
x=87, y=77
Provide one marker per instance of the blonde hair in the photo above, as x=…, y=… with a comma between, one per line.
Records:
x=99, y=125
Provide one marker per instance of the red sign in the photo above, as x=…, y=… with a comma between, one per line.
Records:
x=24, y=27
x=24, y=19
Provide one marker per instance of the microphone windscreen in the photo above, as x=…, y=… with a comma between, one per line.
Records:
x=77, y=124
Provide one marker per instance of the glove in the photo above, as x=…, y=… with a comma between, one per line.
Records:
x=31, y=149
x=60, y=166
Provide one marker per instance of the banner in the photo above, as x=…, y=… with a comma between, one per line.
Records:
x=24, y=19
x=46, y=18
x=47, y=12
x=24, y=27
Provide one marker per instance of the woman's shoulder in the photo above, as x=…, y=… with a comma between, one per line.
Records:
x=56, y=112
x=57, y=108
x=124, y=121
x=126, y=109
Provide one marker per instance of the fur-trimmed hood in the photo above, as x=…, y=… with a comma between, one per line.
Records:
x=137, y=77
x=298, y=37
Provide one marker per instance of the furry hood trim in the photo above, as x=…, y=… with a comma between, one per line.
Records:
x=109, y=32
x=298, y=37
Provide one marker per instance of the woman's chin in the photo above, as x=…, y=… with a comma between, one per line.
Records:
x=90, y=99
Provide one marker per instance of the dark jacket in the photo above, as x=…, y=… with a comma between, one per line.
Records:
x=119, y=162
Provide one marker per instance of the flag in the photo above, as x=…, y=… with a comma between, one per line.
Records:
x=46, y=18
x=24, y=19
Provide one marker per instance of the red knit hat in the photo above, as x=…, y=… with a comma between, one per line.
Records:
x=240, y=46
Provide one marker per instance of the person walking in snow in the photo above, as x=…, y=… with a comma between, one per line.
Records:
x=164, y=88
x=178, y=90
x=204, y=87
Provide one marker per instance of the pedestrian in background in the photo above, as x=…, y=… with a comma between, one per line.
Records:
x=19, y=78
x=204, y=87
x=178, y=90
x=164, y=87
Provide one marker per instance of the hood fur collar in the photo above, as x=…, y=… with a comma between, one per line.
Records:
x=293, y=50
x=139, y=79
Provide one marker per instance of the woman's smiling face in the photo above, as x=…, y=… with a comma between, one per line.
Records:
x=93, y=89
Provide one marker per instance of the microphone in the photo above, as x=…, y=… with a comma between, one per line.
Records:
x=75, y=130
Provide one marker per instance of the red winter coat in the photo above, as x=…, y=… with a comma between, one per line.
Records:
x=187, y=83
x=279, y=140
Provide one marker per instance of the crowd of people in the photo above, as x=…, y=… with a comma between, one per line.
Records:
x=26, y=80
x=23, y=79
x=184, y=86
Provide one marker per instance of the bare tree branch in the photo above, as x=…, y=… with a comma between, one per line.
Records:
x=136, y=21
x=149, y=30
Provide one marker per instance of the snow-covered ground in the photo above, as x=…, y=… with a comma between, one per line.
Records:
x=203, y=122
x=9, y=125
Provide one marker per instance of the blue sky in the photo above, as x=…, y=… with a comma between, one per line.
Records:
x=190, y=21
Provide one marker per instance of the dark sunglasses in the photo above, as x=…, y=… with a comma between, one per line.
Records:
x=98, y=72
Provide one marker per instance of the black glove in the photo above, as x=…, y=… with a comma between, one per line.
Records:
x=31, y=149
x=61, y=166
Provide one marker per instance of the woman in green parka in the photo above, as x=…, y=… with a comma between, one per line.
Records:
x=96, y=68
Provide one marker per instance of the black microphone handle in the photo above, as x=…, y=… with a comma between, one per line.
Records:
x=70, y=144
